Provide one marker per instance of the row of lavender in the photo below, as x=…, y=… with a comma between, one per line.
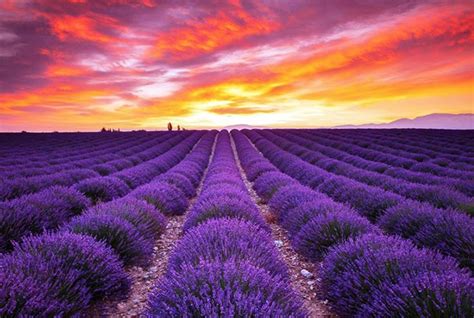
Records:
x=420, y=145
x=226, y=265
x=364, y=272
x=32, y=149
x=90, y=165
x=448, y=231
x=110, y=154
x=446, y=147
x=55, y=205
x=63, y=150
x=62, y=273
x=441, y=196
x=358, y=160
x=441, y=162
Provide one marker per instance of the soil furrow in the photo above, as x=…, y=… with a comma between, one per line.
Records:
x=303, y=274
x=144, y=279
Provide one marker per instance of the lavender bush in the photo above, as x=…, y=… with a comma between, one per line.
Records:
x=16, y=221
x=448, y=231
x=167, y=198
x=223, y=240
x=449, y=294
x=145, y=217
x=223, y=290
x=290, y=196
x=179, y=181
x=33, y=213
x=29, y=288
x=327, y=230
x=268, y=184
x=102, y=189
x=225, y=207
x=298, y=216
x=58, y=274
x=406, y=218
x=354, y=270
x=122, y=236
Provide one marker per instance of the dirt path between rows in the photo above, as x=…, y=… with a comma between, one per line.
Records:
x=306, y=283
x=144, y=279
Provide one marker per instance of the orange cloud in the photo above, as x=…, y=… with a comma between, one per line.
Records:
x=386, y=63
x=84, y=27
x=437, y=27
x=215, y=32
x=65, y=71
x=55, y=95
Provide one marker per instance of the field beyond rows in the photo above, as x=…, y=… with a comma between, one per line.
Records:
x=251, y=223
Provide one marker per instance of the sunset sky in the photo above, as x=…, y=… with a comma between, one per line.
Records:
x=137, y=64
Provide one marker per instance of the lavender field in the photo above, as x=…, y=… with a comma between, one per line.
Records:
x=250, y=223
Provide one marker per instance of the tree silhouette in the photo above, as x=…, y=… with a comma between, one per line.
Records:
x=170, y=127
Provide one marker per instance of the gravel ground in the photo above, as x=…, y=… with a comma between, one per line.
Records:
x=303, y=274
x=144, y=279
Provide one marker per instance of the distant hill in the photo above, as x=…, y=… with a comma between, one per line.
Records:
x=433, y=121
x=241, y=126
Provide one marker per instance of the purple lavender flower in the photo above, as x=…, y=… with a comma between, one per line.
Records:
x=352, y=271
x=180, y=181
x=226, y=239
x=144, y=216
x=290, y=196
x=298, y=216
x=32, y=213
x=225, y=207
x=326, y=230
x=449, y=294
x=167, y=198
x=258, y=168
x=122, y=236
x=451, y=233
x=406, y=218
x=368, y=201
x=267, y=184
x=223, y=290
x=17, y=220
x=102, y=189
x=58, y=274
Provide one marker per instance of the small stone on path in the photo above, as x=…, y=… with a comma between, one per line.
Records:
x=279, y=243
x=306, y=273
